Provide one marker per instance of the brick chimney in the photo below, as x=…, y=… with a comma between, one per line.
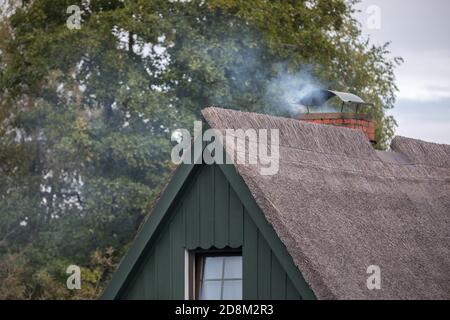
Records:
x=348, y=120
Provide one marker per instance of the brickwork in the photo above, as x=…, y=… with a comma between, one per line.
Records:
x=348, y=120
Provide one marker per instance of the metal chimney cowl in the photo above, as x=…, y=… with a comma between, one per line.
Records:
x=352, y=120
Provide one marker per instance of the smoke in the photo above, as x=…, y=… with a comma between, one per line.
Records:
x=287, y=89
x=240, y=74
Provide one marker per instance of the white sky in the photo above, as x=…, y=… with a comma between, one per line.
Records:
x=419, y=32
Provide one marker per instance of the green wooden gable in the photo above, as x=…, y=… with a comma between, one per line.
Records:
x=206, y=207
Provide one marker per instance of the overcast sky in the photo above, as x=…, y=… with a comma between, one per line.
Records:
x=419, y=31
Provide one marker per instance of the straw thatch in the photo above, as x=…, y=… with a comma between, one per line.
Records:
x=339, y=206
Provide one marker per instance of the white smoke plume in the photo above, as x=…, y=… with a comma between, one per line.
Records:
x=287, y=89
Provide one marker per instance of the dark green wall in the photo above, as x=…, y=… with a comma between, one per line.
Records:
x=208, y=214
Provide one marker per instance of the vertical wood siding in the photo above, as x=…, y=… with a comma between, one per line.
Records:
x=208, y=215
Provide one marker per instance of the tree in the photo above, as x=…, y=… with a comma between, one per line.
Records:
x=86, y=114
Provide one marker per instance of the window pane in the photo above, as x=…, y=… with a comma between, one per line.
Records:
x=232, y=290
x=233, y=267
x=213, y=268
x=211, y=290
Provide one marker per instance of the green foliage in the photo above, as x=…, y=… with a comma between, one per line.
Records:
x=86, y=115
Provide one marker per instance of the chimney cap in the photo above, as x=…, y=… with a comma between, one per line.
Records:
x=319, y=97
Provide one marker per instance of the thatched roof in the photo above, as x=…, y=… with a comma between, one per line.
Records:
x=339, y=206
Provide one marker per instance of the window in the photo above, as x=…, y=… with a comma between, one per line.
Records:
x=218, y=276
